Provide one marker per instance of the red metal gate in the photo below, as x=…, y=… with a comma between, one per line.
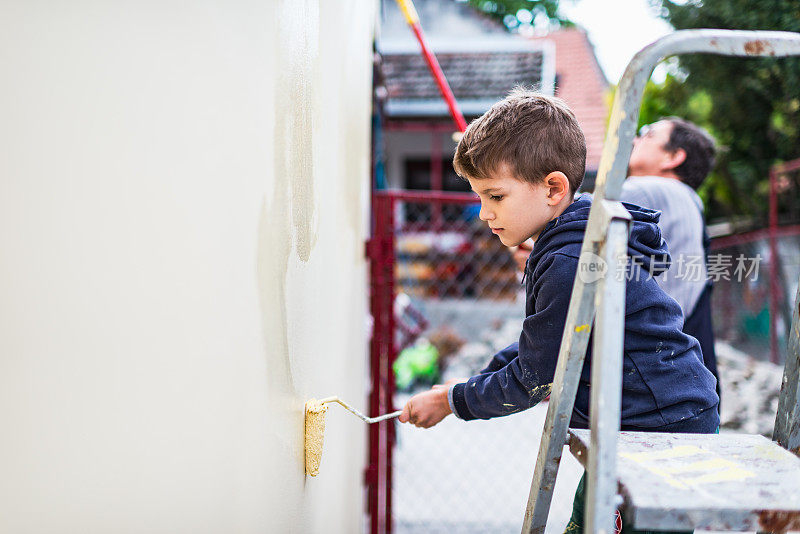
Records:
x=441, y=217
x=380, y=251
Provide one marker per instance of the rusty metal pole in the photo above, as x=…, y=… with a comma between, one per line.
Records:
x=774, y=286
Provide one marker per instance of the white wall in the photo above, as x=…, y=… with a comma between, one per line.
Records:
x=183, y=206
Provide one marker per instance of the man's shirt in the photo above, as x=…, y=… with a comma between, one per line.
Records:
x=681, y=226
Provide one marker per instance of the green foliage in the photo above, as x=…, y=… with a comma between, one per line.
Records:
x=674, y=97
x=751, y=106
x=506, y=10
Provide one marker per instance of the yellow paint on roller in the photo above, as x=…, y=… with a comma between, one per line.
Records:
x=315, y=428
x=581, y=328
x=314, y=435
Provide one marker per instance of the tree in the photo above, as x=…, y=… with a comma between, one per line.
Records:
x=722, y=195
x=751, y=105
x=519, y=14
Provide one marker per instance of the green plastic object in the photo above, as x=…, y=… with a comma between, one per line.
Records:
x=416, y=364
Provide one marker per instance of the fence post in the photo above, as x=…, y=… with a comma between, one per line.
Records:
x=774, y=287
x=380, y=250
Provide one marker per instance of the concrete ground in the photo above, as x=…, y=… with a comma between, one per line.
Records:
x=474, y=477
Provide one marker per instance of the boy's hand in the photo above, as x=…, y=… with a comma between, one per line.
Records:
x=521, y=254
x=426, y=409
x=454, y=381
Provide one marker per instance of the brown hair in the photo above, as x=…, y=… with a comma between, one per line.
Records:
x=534, y=134
x=699, y=147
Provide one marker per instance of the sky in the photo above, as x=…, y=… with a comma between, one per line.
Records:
x=617, y=29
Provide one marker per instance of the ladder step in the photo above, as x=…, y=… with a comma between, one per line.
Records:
x=703, y=481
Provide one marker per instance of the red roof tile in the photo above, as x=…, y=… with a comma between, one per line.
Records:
x=480, y=78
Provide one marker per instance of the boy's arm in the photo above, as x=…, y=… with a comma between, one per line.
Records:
x=501, y=359
x=426, y=409
x=526, y=378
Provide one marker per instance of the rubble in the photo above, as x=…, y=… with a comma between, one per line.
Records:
x=750, y=387
x=750, y=390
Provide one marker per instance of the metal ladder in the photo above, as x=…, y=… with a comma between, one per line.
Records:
x=665, y=481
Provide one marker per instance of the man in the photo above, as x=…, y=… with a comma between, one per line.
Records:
x=670, y=160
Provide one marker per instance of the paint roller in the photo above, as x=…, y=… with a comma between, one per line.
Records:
x=315, y=428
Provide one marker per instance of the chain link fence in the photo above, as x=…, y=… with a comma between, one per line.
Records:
x=754, y=288
x=455, y=278
x=459, y=299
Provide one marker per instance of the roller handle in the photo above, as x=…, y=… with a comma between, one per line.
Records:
x=360, y=415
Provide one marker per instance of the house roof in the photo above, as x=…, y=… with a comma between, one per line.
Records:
x=478, y=77
x=480, y=70
x=581, y=83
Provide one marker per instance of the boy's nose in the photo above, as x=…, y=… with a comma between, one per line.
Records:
x=485, y=214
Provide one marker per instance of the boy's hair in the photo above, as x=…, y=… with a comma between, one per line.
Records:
x=699, y=147
x=534, y=134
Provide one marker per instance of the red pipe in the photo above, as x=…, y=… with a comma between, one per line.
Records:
x=410, y=14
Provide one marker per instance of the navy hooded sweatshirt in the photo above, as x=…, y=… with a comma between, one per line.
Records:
x=664, y=380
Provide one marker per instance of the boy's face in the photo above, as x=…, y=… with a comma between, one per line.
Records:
x=513, y=209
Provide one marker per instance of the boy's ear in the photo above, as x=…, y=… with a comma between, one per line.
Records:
x=557, y=185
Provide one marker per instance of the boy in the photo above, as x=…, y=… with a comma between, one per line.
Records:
x=525, y=158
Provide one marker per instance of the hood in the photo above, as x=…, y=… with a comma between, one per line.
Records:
x=646, y=247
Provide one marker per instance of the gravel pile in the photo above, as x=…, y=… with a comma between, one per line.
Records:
x=750, y=390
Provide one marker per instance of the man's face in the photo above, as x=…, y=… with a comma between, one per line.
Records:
x=649, y=157
x=513, y=209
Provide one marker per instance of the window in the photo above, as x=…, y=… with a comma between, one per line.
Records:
x=418, y=178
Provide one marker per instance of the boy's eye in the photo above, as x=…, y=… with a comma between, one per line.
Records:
x=496, y=198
